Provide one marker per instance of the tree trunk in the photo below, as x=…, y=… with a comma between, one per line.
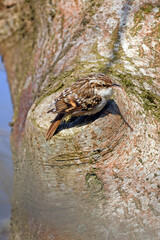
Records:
x=96, y=178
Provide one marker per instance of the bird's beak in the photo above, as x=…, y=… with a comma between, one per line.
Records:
x=115, y=85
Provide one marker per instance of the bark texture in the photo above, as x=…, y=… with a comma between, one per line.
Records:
x=96, y=179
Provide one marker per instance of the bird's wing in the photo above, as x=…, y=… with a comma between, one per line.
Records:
x=70, y=105
x=80, y=97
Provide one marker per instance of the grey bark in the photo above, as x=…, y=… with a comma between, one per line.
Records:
x=96, y=179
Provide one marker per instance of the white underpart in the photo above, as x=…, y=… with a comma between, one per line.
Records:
x=105, y=95
x=105, y=92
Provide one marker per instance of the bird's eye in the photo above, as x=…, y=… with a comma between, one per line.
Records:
x=104, y=85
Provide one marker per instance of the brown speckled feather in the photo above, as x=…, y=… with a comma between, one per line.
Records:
x=85, y=97
x=80, y=97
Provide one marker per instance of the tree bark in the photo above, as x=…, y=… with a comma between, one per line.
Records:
x=96, y=178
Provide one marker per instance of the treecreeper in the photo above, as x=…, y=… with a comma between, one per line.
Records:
x=86, y=96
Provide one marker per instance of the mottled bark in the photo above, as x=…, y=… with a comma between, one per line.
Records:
x=96, y=179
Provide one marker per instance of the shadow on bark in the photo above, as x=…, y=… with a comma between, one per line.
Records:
x=110, y=108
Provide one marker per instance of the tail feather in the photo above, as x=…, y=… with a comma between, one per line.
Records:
x=54, y=125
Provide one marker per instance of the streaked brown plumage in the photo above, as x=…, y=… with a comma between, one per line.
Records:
x=85, y=97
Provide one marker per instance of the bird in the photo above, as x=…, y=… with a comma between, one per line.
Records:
x=86, y=96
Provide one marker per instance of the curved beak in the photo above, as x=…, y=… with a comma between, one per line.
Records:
x=115, y=85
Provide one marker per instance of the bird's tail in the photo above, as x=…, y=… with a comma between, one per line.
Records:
x=54, y=125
